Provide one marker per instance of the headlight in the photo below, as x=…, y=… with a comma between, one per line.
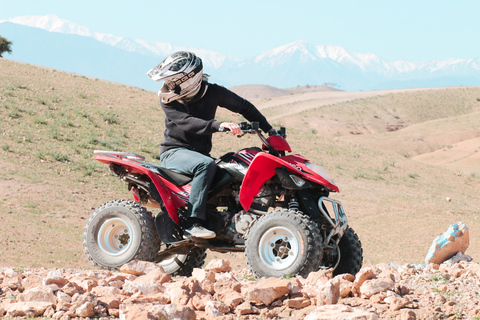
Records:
x=320, y=171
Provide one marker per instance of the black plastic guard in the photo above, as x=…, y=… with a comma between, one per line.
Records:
x=167, y=229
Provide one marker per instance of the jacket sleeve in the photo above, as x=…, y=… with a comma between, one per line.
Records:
x=177, y=113
x=235, y=103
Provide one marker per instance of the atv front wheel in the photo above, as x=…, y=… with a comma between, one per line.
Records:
x=351, y=253
x=120, y=231
x=283, y=243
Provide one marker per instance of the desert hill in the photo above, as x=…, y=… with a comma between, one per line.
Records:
x=261, y=92
x=405, y=160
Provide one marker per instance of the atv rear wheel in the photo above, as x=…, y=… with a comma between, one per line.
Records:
x=183, y=264
x=282, y=243
x=120, y=231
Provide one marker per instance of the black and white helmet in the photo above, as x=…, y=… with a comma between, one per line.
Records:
x=182, y=73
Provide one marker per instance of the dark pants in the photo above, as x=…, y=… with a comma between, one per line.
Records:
x=198, y=166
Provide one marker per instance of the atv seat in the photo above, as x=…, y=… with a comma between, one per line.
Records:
x=174, y=177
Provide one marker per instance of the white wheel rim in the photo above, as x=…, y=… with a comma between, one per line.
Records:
x=168, y=261
x=114, y=236
x=278, y=248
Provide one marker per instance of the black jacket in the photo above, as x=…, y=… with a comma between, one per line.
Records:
x=191, y=125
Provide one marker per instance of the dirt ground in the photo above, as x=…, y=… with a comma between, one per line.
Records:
x=45, y=199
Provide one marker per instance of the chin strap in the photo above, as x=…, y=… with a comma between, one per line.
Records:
x=199, y=95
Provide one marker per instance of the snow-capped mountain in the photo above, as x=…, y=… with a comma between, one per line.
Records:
x=53, y=23
x=297, y=63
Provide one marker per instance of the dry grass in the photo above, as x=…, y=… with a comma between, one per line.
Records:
x=52, y=121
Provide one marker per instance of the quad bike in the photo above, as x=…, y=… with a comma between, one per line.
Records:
x=272, y=206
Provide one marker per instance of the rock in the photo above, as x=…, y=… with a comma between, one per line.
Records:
x=218, y=265
x=85, y=310
x=139, y=297
x=71, y=288
x=404, y=292
x=208, y=286
x=295, y=285
x=178, y=294
x=27, y=309
x=266, y=291
x=227, y=283
x=62, y=296
x=139, y=268
x=149, y=283
x=445, y=246
x=364, y=274
x=31, y=281
x=202, y=275
x=146, y=288
x=345, y=284
x=373, y=286
x=330, y=292
x=340, y=312
x=319, y=278
x=38, y=294
x=55, y=277
x=157, y=275
x=408, y=315
x=231, y=299
x=110, y=296
x=246, y=308
x=215, y=309
x=200, y=299
x=130, y=311
x=458, y=257
x=170, y=312
x=227, y=289
x=221, y=307
x=297, y=302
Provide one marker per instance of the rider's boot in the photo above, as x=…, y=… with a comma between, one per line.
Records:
x=196, y=229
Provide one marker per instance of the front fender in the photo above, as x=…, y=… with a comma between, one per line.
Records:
x=263, y=166
x=261, y=169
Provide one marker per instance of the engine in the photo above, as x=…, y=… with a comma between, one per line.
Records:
x=243, y=221
x=265, y=196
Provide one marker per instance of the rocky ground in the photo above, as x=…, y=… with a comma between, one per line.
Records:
x=142, y=290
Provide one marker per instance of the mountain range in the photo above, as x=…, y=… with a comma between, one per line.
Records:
x=54, y=42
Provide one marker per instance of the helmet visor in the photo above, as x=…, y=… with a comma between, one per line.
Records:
x=173, y=65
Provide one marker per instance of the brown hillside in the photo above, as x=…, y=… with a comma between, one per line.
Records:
x=261, y=92
x=52, y=121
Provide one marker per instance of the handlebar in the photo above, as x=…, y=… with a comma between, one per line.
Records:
x=254, y=128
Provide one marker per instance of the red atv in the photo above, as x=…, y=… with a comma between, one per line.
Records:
x=272, y=206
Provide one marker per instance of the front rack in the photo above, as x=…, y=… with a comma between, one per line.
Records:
x=339, y=223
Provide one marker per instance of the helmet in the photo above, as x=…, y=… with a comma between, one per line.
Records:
x=182, y=75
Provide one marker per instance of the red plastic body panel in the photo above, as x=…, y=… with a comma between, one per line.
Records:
x=263, y=168
x=165, y=188
x=279, y=143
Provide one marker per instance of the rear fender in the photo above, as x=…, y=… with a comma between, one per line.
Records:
x=135, y=167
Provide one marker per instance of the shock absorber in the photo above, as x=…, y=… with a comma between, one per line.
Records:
x=293, y=204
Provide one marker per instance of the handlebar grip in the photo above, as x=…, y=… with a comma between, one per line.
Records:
x=249, y=126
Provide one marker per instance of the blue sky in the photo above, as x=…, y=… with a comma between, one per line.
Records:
x=417, y=30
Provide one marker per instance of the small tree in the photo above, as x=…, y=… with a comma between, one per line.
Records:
x=5, y=46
